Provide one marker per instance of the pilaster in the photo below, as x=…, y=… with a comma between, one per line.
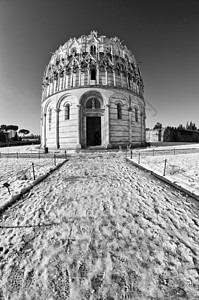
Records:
x=97, y=69
x=71, y=79
x=127, y=81
x=121, y=79
x=57, y=110
x=44, y=130
x=79, y=128
x=80, y=71
x=107, y=126
x=88, y=76
x=130, y=125
x=114, y=82
x=106, y=76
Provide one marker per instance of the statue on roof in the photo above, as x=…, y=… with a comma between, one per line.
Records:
x=116, y=39
x=94, y=33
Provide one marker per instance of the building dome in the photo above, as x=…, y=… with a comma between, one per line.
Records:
x=92, y=95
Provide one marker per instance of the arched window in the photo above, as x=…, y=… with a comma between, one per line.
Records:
x=93, y=74
x=92, y=49
x=136, y=114
x=119, y=111
x=97, y=103
x=93, y=103
x=50, y=118
x=67, y=112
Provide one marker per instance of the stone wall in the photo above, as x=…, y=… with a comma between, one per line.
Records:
x=170, y=134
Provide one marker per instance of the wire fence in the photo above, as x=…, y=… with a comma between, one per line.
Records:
x=156, y=152
x=163, y=166
x=30, y=169
x=31, y=155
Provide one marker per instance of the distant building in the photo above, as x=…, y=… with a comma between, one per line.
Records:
x=171, y=134
x=12, y=134
x=8, y=135
x=92, y=96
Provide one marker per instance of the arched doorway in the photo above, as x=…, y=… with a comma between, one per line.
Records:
x=92, y=120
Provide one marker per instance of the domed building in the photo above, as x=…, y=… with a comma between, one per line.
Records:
x=92, y=96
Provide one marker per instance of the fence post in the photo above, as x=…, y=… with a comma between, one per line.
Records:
x=55, y=159
x=165, y=164
x=131, y=154
x=65, y=154
x=33, y=170
x=6, y=184
x=139, y=158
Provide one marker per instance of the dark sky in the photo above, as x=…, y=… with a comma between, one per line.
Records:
x=162, y=34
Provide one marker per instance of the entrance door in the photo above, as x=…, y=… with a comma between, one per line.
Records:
x=93, y=131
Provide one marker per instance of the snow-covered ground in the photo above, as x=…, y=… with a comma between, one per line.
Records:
x=100, y=228
x=176, y=146
x=22, y=149
x=182, y=169
x=18, y=173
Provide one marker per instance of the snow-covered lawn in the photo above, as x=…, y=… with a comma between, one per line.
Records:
x=22, y=149
x=171, y=147
x=18, y=173
x=182, y=169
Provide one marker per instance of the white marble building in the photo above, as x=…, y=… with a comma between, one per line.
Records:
x=92, y=96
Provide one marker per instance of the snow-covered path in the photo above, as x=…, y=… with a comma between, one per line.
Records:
x=101, y=229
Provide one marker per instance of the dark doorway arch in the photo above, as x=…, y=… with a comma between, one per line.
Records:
x=91, y=119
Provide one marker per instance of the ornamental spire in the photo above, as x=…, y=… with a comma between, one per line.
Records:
x=94, y=33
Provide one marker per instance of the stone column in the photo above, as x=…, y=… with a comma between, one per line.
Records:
x=121, y=79
x=127, y=80
x=43, y=94
x=67, y=81
x=71, y=79
x=54, y=86
x=97, y=69
x=107, y=126
x=114, y=82
x=60, y=83
x=142, y=127
x=47, y=91
x=50, y=88
x=80, y=83
x=44, y=130
x=79, y=127
x=88, y=75
x=64, y=85
x=130, y=125
x=106, y=76
x=57, y=128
